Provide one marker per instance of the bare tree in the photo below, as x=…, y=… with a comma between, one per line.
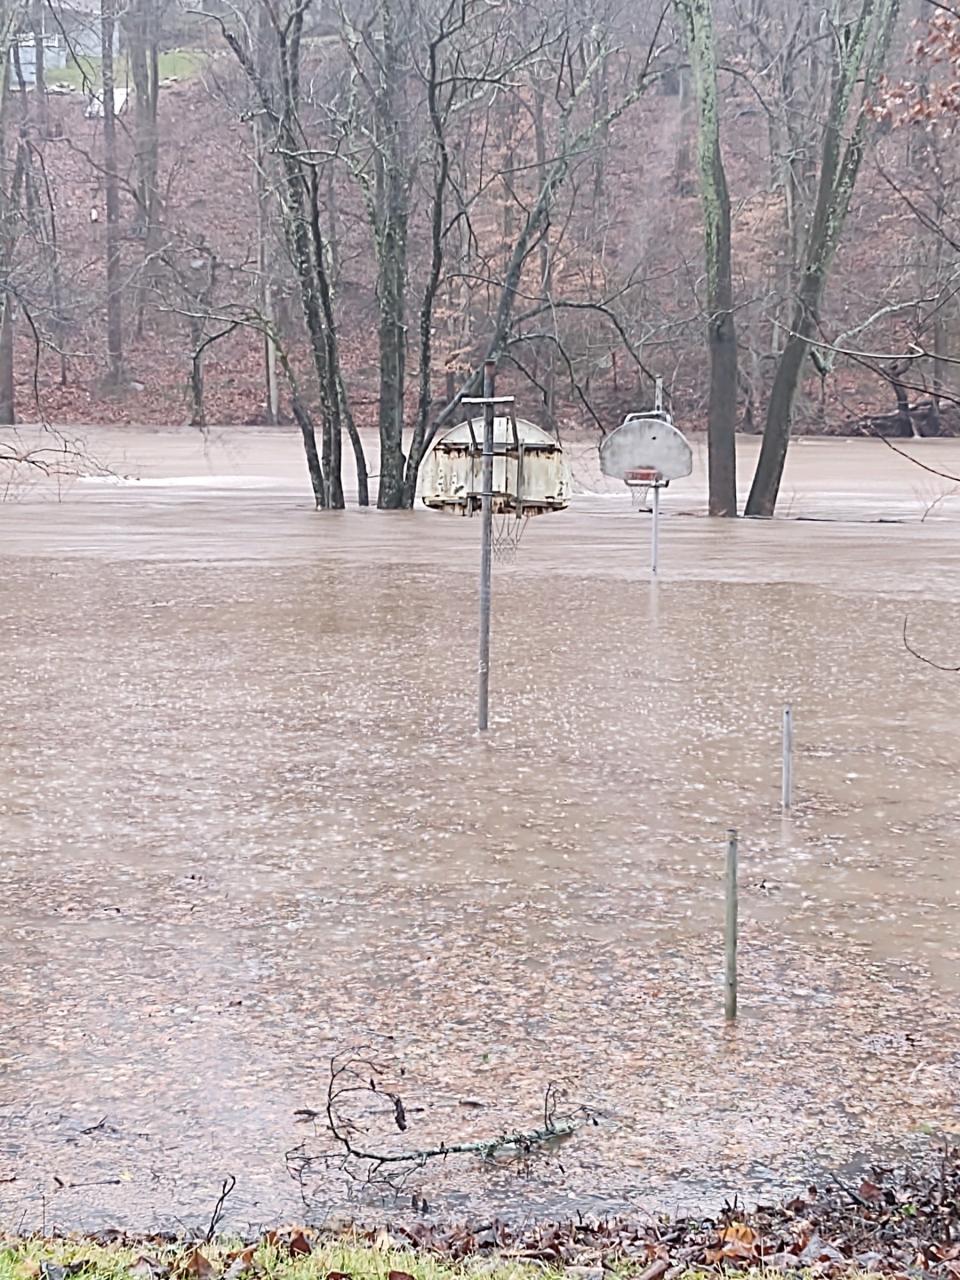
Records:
x=859, y=52
x=413, y=79
x=386, y=180
x=141, y=23
x=721, y=328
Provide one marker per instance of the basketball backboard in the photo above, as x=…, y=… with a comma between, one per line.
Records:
x=646, y=441
x=530, y=473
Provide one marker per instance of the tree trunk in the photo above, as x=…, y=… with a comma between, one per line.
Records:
x=721, y=327
x=51, y=248
x=198, y=417
x=391, y=231
x=7, y=232
x=264, y=280
x=860, y=59
x=441, y=174
x=142, y=21
x=264, y=256
x=896, y=373
x=108, y=15
x=309, y=436
x=40, y=83
x=776, y=431
x=8, y=399
x=392, y=364
x=547, y=351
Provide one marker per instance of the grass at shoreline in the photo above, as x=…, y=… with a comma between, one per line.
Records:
x=54, y=1259
x=34, y=1258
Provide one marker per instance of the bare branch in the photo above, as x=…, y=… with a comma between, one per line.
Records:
x=922, y=657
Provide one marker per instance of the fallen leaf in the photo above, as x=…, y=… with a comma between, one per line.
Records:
x=197, y=1265
x=148, y=1268
x=399, y=1275
x=738, y=1231
x=300, y=1244
x=240, y=1264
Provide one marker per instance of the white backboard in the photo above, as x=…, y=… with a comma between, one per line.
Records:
x=646, y=440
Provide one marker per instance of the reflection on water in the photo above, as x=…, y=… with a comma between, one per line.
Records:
x=247, y=823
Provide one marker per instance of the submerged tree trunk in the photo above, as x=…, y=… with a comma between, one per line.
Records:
x=860, y=58
x=441, y=174
x=721, y=327
x=391, y=217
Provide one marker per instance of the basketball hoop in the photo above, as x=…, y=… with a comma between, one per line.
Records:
x=506, y=470
x=646, y=452
x=640, y=480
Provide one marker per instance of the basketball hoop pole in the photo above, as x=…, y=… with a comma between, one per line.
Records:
x=486, y=544
x=655, y=531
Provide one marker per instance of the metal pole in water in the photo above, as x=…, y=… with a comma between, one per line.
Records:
x=787, y=775
x=655, y=531
x=730, y=932
x=486, y=544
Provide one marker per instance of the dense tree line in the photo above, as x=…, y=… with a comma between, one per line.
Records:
x=424, y=184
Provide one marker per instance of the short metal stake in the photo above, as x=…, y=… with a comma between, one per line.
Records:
x=731, y=927
x=786, y=790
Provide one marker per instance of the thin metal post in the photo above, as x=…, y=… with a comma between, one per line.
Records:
x=787, y=774
x=655, y=531
x=486, y=544
x=731, y=930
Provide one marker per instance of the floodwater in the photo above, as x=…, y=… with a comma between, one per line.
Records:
x=247, y=825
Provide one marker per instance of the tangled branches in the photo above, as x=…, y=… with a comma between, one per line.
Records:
x=363, y=1095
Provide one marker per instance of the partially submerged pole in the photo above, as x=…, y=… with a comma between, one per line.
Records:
x=655, y=531
x=786, y=788
x=486, y=544
x=730, y=933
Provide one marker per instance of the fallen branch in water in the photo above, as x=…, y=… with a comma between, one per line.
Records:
x=355, y=1076
x=938, y=666
x=489, y=1148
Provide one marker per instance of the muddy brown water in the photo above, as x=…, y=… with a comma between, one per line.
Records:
x=247, y=824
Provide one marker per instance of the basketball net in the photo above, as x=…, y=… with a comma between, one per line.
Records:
x=640, y=481
x=508, y=529
x=640, y=497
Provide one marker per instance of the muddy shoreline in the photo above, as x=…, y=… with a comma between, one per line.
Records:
x=888, y=1219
